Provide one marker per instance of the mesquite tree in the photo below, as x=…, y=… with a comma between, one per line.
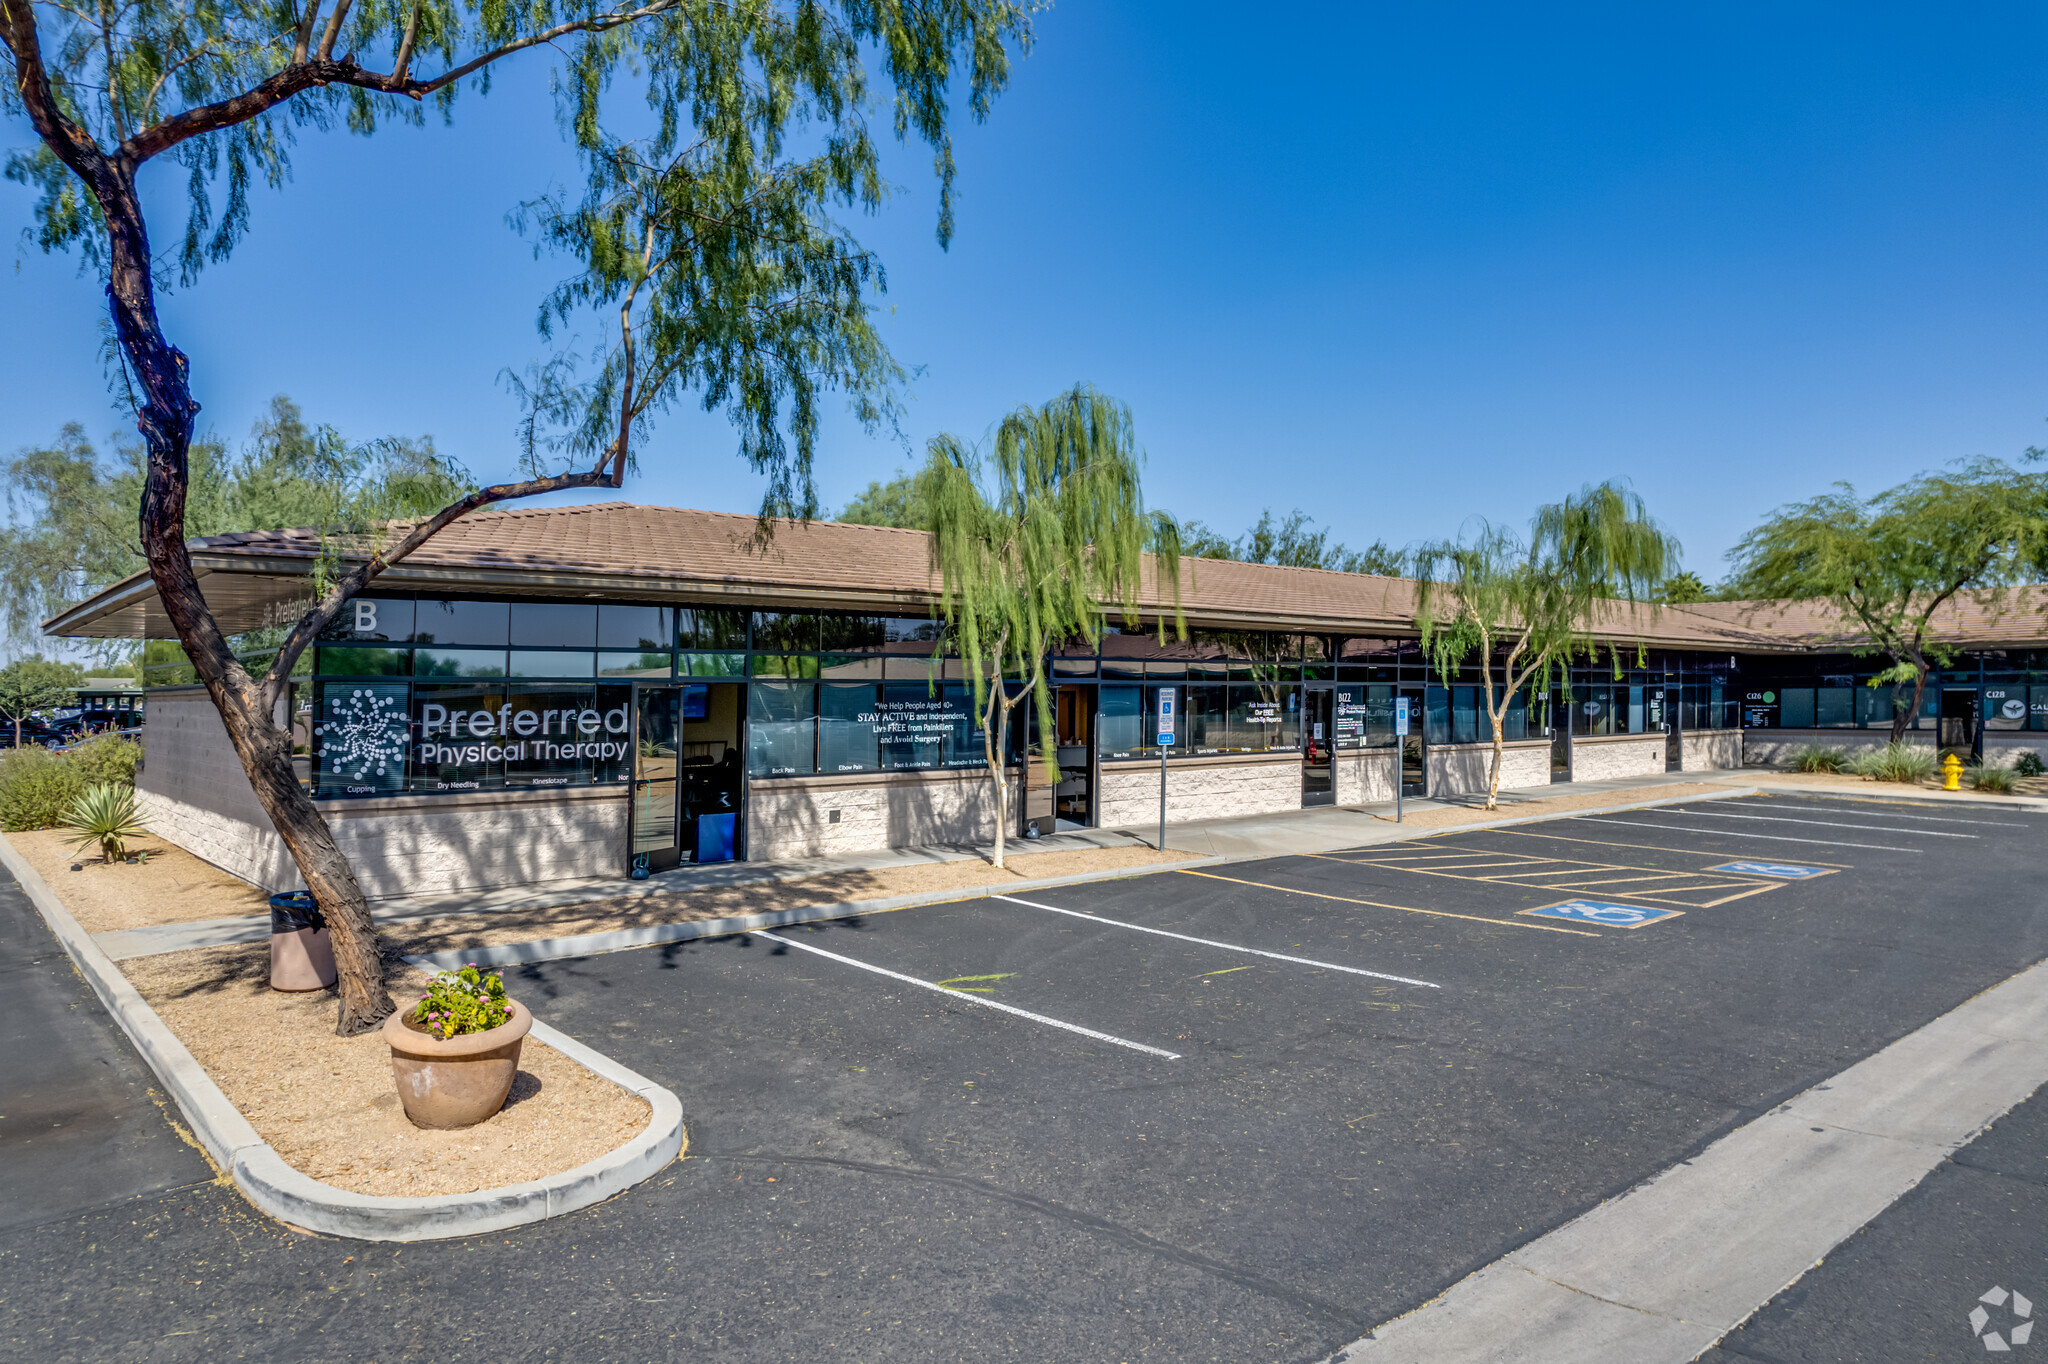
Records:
x=1536, y=600
x=1057, y=537
x=706, y=246
x=1887, y=565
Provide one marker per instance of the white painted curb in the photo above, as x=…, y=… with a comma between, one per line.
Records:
x=276, y=1188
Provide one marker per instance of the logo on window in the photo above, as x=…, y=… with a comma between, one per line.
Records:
x=363, y=733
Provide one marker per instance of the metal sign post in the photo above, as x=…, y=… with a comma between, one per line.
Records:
x=1166, y=728
x=1400, y=751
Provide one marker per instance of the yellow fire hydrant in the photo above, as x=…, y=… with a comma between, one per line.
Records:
x=1951, y=773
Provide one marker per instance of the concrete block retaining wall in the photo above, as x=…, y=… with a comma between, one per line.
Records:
x=1461, y=769
x=1366, y=776
x=1605, y=757
x=1773, y=747
x=794, y=816
x=1198, y=788
x=1704, y=750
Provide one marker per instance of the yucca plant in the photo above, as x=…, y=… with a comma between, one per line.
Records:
x=105, y=814
x=1819, y=758
x=1996, y=780
x=1895, y=762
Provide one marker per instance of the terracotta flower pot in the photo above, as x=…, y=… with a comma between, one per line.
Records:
x=460, y=1081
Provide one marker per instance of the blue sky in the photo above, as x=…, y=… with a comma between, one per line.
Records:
x=1395, y=266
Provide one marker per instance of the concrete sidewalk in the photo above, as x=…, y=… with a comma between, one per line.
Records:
x=1290, y=833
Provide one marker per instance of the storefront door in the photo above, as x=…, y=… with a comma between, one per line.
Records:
x=1959, y=728
x=1074, y=798
x=687, y=789
x=1318, y=786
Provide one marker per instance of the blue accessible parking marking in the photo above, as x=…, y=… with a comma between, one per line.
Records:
x=1604, y=912
x=1782, y=870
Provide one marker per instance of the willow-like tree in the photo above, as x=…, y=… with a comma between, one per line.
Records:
x=1524, y=605
x=1887, y=565
x=709, y=261
x=1037, y=545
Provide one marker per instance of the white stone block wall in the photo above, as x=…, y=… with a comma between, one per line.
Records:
x=1606, y=757
x=1366, y=776
x=195, y=794
x=1775, y=747
x=1704, y=750
x=793, y=816
x=1198, y=788
x=1463, y=769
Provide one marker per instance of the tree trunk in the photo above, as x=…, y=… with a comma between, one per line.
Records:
x=166, y=421
x=1497, y=714
x=1001, y=731
x=1900, y=720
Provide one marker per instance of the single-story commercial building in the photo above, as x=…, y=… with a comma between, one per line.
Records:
x=542, y=693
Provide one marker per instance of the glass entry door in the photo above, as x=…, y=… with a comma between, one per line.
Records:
x=1414, y=772
x=687, y=774
x=1318, y=737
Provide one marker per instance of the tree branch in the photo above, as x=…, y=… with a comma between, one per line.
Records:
x=334, y=22
x=72, y=144
x=356, y=579
x=303, y=39
x=402, y=67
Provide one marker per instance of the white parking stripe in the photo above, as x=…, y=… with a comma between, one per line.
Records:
x=971, y=999
x=1824, y=823
x=1736, y=833
x=1895, y=814
x=1226, y=946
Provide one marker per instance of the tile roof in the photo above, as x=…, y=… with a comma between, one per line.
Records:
x=627, y=550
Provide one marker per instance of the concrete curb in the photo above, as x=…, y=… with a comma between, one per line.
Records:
x=1899, y=791
x=655, y=935
x=285, y=1193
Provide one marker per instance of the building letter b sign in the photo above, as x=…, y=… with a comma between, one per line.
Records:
x=366, y=617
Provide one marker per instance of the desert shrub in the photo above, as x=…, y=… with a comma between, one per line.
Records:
x=1819, y=758
x=1895, y=762
x=107, y=758
x=1996, y=780
x=37, y=788
x=2028, y=764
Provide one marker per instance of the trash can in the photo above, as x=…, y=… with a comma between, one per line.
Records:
x=301, y=953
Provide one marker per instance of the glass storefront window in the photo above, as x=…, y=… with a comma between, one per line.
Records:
x=1436, y=716
x=372, y=620
x=711, y=665
x=1874, y=706
x=639, y=628
x=852, y=634
x=1204, y=719
x=1795, y=708
x=786, y=632
x=704, y=628
x=784, y=665
x=462, y=622
x=1465, y=715
x=552, y=663
x=561, y=625
x=1120, y=721
x=458, y=663
x=329, y=661
x=358, y=738
x=782, y=724
x=923, y=728
x=849, y=724
x=1834, y=707
x=620, y=663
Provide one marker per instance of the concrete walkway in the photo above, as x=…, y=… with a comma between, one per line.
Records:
x=1288, y=833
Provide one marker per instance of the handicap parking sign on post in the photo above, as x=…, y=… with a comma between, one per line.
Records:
x=1784, y=871
x=1603, y=912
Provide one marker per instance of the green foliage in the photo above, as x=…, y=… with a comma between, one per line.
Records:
x=106, y=758
x=458, y=1003
x=1888, y=564
x=35, y=683
x=1902, y=762
x=75, y=512
x=1040, y=544
x=894, y=503
x=105, y=815
x=1819, y=758
x=2028, y=764
x=37, y=788
x=1293, y=543
x=1997, y=780
x=1681, y=588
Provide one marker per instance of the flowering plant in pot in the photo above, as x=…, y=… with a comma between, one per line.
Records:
x=455, y=1052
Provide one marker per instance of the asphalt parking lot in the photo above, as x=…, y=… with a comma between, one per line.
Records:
x=1240, y=1115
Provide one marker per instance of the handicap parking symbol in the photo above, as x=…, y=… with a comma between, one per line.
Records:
x=1784, y=871
x=1604, y=912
